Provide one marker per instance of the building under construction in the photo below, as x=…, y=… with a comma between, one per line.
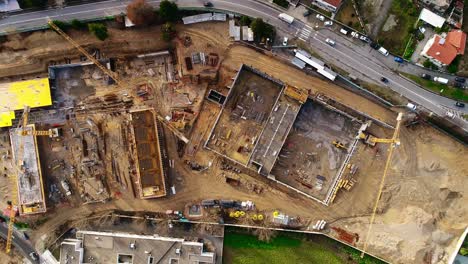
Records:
x=149, y=174
x=275, y=129
x=31, y=198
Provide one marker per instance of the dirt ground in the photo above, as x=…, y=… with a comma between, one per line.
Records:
x=422, y=209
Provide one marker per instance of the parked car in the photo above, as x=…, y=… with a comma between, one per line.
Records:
x=398, y=59
x=364, y=38
x=328, y=23
x=285, y=41
x=460, y=79
x=34, y=256
x=330, y=42
x=384, y=80
x=459, y=104
x=207, y=4
x=344, y=31
x=458, y=85
x=411, y=106
x=354, y=34
x=375, y=45
x=320, y=17
x=307, y=13
x=426, y=76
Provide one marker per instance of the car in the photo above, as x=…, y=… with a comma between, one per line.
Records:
x=459, y=104
x=458, y=85
x=398, y=59
x=364, y=38
x=411, y=106
x=207, y=4
x=320, y=17
x=344, y=31
x=426, y=76
x=460, y=79
x=328, y=23
x=354, y=34
x=285, y=41
x=34, y=256
x=307, y=13
x=375, y=45
x=330, y=42
x=422, y=30
x=384, y=80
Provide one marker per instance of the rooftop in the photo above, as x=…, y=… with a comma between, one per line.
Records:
x=106, y=247
x=445, y=50
x=431, y=18
x=15, y=95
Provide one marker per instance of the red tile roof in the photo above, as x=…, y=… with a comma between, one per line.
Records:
x=458, y=39
x=453, y=45
x=335, y=3
x=444, y=53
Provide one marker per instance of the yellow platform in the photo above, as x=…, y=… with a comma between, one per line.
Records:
x=16, y=95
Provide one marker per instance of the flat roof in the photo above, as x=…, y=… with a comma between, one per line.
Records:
x=31, y=198
x=431, y=18
x=106, y=247
x=16, y=95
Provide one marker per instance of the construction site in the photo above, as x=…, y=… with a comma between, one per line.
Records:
x=209, y=130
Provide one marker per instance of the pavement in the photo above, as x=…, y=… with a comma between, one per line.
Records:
x=20, y=244
x=357, y=59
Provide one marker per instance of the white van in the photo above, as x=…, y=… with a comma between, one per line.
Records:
x=441, y=80
x=344, y=31
x=411, y=106
x=383, y=51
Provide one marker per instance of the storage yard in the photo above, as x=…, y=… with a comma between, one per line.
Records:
x=272, y=146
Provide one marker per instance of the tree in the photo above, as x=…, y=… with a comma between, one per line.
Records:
x=245, y=20
x=262, y=30
x=24, y=4
x=61, y=24
x=168, y=11
x=140, y=12
x=77, y=24
x=168, y=31
x=99, y=30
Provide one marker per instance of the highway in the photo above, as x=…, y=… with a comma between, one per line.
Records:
x=348, y=54
x=20, y=244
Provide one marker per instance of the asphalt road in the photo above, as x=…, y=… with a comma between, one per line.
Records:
x=20, y=244
x=359, y=60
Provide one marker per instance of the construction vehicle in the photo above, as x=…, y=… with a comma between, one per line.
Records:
x=394, y=141
x=112, y=75
x=371, y=140
x=339, y=145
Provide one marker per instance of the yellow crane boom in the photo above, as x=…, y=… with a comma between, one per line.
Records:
x=113, y=75
x=394, y=141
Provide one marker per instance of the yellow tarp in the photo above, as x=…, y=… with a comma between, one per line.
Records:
x=16, y=95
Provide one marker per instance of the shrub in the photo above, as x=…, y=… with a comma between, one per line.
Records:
x=282, y=3
x=61, y=24
x=77, y=24
x=168, y=31
x=245, y=20
x=24, y=4
x=99, y=30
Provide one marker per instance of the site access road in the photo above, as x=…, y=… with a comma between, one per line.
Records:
x=347, y=56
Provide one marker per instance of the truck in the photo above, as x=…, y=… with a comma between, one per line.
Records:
x=286, y=18
x=441, y=80
x=383, y=51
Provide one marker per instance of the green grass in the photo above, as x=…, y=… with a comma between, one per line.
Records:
x=406, y=14
x=244, y=249
x=447, y=91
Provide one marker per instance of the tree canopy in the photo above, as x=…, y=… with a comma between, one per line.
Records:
x=140, y=12
x=262, y=30
x=168, y=11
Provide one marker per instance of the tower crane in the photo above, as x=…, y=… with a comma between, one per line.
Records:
x=34, y=132
x=394, y=141
x=112, y=75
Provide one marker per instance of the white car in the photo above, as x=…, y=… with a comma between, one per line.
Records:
x=320, y=17
x=355, y=34
x=330, y=42
x=285, y=41
x=328, y=23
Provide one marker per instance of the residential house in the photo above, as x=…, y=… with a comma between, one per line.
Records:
x=329, y=5
x=442, y=50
